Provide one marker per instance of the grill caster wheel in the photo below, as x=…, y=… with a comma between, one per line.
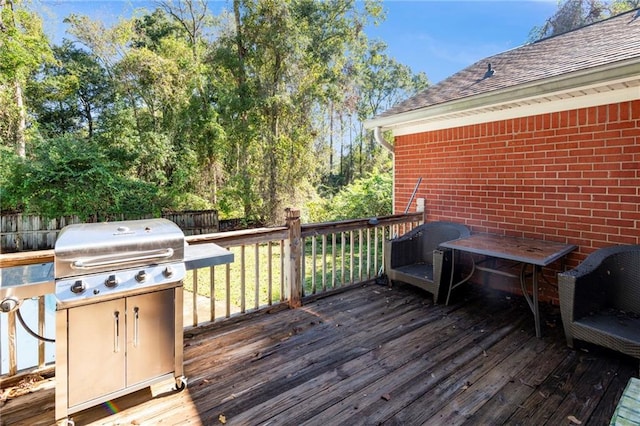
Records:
x=66, y=422
x=181, y=383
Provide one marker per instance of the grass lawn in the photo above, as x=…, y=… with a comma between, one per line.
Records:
x=259, y=291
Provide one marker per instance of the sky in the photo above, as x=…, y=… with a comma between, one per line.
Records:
x=436, y=37
x=444, y=37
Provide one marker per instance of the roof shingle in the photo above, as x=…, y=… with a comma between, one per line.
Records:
x=601, y=43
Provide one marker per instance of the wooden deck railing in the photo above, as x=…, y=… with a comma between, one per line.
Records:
x=272, y=266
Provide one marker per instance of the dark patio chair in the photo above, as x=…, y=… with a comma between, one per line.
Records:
x=600, y=300
x=415, y=258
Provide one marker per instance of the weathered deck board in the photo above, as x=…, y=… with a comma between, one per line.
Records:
x=372, y=355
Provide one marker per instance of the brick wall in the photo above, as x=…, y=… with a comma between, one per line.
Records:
x=571, y=176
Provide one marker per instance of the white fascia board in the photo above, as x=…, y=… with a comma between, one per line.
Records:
x=504, y=103
x=511, y=112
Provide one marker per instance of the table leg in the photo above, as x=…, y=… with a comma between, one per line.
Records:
x=462, y=281
x=453, y=268
x=536, y=309
x=532, y=300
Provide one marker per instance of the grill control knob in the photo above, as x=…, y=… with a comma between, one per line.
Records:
x=141, y=276
x=78, y=287
x=168, y=272
x=111, y=282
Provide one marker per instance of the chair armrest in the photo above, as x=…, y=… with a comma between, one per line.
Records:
x=585, y=289
x=402, y=251
x=574, y=289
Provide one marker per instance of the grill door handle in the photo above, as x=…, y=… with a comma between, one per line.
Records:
x=135, y=326
x=121, y=258
x=116, y=331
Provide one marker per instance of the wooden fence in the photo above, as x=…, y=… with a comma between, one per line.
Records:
x=19, y=232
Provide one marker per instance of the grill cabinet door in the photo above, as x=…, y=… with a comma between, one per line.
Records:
x=150, y=336
x=96, y=351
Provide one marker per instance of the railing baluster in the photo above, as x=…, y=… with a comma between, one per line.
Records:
x=368, y=253
x=342, y=251
x=195, y=298
x=375, y=252
x=256, y=252
x=360, y=254
x=282, y=298
x=351, y=255
x=324, y=262
x=13, y=359
x=270, y=274
x=41, y=352
x=333, y=260
x=314, y=267
x=212, y=293
x=243, y=296
x=228, y=290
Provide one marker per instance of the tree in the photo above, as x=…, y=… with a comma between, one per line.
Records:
x=23, y=47
x=245, y=111
x=376, y=82
x=574, y=14
x=286, y=59
x=161, y=95
x=70, y=94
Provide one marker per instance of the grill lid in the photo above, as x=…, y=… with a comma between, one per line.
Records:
x=90, y=248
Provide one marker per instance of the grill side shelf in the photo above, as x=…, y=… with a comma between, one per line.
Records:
x=205, y=255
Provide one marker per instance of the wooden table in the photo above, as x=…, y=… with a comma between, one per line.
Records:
x=524, y=251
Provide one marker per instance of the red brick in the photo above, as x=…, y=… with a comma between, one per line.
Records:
x=567, y=175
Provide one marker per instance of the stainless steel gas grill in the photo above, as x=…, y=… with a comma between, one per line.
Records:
x=119, y=310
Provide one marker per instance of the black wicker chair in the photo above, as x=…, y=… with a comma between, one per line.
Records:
x=415, y=258
x=600, y=300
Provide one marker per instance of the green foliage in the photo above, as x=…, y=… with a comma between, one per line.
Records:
x=10, y=165
x=23, y=49
x=174, y=109
x=365, y=197
x=287, y=59
x=24, y=45
x=67, y=176
x=69, y=96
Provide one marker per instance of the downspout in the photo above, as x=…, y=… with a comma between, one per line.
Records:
x=379, y=137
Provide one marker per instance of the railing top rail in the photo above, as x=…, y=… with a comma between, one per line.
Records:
x=8, y=260
x=245, y=236
x=311, y=229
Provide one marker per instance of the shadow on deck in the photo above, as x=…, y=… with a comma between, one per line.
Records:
x=373, y=355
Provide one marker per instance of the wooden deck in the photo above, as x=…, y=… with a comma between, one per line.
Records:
x=372, y=355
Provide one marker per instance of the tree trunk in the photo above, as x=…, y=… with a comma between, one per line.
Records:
x=331, y=138
x=21, y=146
x=21, y=125
x=242, y=144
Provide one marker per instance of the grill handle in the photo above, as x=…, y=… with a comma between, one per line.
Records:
x=121, y=259
x=136, y=311
x=116, y=331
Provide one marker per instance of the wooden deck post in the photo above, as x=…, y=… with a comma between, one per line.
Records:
x=293, y=256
